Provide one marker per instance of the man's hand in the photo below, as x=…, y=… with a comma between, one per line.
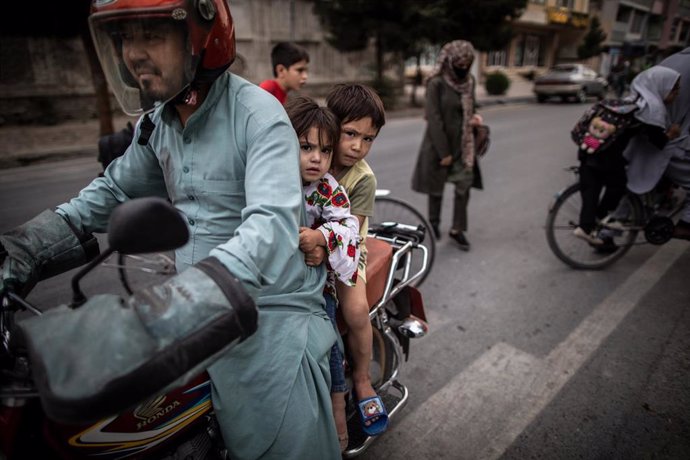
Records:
x=476, y=120
x=446, y=161
x=316, y=257
x=673, y=131
x=309, y=239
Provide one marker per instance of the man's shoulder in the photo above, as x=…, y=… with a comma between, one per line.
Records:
x=252, y=100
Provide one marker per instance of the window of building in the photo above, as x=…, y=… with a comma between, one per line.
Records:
x=623, y=14
x=637, y=22
x=673, y=34
x=685, y=33
x=497, y=58
x=532, y=49
x=541, y=2
x=565, y=3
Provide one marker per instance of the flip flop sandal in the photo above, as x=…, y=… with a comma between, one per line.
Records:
x=373, y=411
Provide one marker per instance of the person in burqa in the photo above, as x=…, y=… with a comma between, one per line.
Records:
x=647, y=166
x=651, y=91
x=447, y=152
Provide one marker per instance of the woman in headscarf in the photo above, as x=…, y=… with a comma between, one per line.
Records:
x=651, y=91
x=447, y=153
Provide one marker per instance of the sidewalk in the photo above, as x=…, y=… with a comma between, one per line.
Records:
x=25, y=144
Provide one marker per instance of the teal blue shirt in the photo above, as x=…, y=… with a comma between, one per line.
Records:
x=233, y=171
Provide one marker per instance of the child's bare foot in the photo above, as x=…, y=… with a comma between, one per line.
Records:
x=338, y=401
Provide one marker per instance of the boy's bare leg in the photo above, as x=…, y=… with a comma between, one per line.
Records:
x=339, y=415
x=355, y=307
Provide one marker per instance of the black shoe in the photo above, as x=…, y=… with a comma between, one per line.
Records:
x=459, y=237
x=436, y=231
x=607, y=247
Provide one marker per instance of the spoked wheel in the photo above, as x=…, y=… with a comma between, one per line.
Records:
x=137, y=272
x=563, y=218
x=390, y=209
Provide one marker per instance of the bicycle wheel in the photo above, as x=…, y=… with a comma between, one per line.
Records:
x=137, y=272
x=563, y=218
x=391, y=209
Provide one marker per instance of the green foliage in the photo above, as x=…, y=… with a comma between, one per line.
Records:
x=487, y=24
x=386, y=91
x=406, y=26
x=591, y=44
x=497, y=83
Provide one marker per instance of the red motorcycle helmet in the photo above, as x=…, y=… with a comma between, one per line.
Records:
x=127, y=32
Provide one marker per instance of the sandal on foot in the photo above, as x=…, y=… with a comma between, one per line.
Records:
x=373, y=415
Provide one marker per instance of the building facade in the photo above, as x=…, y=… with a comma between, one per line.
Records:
x=48, y=79
x=642, y=32
x=548, y=32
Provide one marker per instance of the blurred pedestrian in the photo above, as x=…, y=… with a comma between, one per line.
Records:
x=290, y=64
x=447, y=153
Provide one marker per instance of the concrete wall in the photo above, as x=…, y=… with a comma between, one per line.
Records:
x=48, y=79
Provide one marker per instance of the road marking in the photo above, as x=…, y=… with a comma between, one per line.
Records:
x=481, y=412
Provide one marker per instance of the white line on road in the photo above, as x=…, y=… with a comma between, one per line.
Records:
x=481, y=412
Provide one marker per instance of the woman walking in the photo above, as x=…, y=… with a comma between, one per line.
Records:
x=447, y=153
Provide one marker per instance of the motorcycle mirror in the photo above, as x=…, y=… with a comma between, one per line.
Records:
x=145, y=225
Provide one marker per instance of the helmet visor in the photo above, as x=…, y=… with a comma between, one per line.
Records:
x=146, y=58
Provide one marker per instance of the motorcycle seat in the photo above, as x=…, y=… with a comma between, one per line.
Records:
x=379, y=259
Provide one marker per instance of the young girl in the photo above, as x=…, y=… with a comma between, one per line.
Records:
x=652, y=90
x=331, y=226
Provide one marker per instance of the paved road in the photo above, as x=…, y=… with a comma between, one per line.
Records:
x=527, y=358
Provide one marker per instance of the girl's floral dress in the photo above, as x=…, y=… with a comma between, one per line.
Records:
x=328, y=210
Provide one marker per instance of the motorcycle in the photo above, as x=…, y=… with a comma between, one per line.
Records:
x=397, y=259
x=180, y=424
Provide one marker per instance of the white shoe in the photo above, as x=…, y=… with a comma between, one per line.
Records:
x=588, y=237
x=612, y=223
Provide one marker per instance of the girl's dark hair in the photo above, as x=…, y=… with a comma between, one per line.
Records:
x=305, y=113
x=354, y=102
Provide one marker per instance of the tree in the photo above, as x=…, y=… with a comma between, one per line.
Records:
x=485, y=23
x=591, y=44
x=404, y=26
x=352, y=24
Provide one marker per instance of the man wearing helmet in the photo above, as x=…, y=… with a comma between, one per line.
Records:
x=224, y=153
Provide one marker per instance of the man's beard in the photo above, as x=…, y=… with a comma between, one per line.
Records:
x=159, y=91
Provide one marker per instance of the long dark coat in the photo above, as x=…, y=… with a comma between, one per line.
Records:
x=443, y=137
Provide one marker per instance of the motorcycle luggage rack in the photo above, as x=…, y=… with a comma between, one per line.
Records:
x=359, y=441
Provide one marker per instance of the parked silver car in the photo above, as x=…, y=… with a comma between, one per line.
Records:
x=570, y=80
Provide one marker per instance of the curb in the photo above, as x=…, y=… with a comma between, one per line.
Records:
x=47, y=155
x=81, y=151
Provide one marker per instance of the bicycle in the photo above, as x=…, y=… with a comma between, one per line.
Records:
x=388, y=210
x=652, y=213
